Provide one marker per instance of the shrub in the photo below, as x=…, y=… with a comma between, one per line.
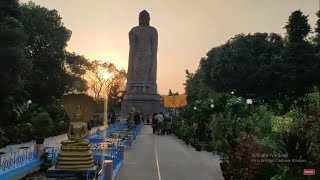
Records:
x=12, y=133
x=220, y=145
x=219, y=100
x=312, y=102
x=56, y=112
x=25, y=131
x=41, y=124
x=237, y=107
x=188, y=131
x=260, y=122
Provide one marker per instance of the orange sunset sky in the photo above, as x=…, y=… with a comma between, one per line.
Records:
x=187, y=29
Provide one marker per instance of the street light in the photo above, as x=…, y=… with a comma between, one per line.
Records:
x=28, y=104
x=232, y=92
x=249, y=102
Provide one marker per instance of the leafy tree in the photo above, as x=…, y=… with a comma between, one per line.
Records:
x=261, y=66
x=317, y=31
x=172, y=94
x=45, y=48
x=13, y=63
x=195, y=87
x=101, y=86
x=9, y=8
x=301, y=63
x=76, y=67
x=117, y=90
x=98, y=83
x=246, y=63
x=297, y=27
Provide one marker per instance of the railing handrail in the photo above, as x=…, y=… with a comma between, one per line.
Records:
x=17, y=160
x=20, y=158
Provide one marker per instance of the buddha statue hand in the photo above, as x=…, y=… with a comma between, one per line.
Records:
x=71, y=137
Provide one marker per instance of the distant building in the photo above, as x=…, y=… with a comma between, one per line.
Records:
x=173, y=103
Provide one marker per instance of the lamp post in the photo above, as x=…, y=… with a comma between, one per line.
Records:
x=28, y=103
x=105, y=111
x=64, y=112
x=249, y=103
x=196, y=126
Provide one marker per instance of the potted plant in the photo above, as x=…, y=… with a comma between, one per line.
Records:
x=180, y=132
x=3, y=140
x=192, y=140
x=188, y=134
x=209, y=147
x=41, y=124
x=198, y=147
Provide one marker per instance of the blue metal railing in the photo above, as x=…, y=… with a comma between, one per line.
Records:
x=98, y=136
x=19, y=158
x=16, y=159
x=52, y=154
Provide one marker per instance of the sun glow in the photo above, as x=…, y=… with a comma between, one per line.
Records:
x=106, y=75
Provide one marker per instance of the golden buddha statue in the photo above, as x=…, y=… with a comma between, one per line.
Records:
x=75, y=152
x=131, y=118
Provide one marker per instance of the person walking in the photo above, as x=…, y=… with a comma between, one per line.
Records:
x=113, y=118
x=148, y=119
x=136, y=118
x=109, y=118
x=160, y=119
x=154, y=123
x=195, y=130
x=168, y=125
x=140, y=118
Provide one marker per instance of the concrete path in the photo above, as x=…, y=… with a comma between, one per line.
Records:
x=154, y=157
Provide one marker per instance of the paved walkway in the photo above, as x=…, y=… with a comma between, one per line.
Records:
x=154, y=157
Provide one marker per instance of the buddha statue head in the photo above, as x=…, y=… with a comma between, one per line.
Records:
x=78, y=114
x=144, y=18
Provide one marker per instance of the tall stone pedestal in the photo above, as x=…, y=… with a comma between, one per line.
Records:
x=146, y=104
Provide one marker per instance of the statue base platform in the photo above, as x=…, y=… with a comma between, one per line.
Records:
x=146, y=104
x=74, y=174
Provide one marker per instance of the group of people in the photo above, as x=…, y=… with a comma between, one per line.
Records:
x=112, y=118
x=160, y=124
x=135, y=117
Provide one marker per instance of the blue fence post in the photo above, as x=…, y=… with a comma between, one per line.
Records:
x=121, y=152
x=107, y=170
x=134, y=134
x=1, y=161
x=39, y=150
x=130, y=140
